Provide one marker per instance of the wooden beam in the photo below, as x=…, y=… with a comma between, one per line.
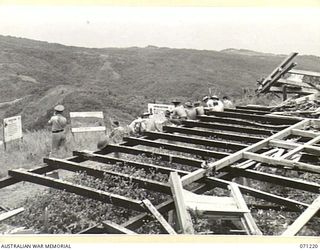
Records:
x=237, y=121
x=220, y=164
x=159, y=217
x=11, y=213
x=300, y=148
x=293, y=204
x=98, y=173
x=282, y=162
x=150, y=154
x=213, y=134
x=303, y=219
x=304, y=133
x=225, y=127
x=184, y=218
x=184, y=149
x=137, y=221
x=91, y=193
x=252, y=226
x=252, y=117
x=8, y=181
x=254, y=107
x=304, y=72
x=279, y=180
x=113, y=228
x=283, y=67
x=198, y=141
x=138, y=165
x=247, y=110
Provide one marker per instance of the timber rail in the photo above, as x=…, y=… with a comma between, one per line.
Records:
x=235, y=144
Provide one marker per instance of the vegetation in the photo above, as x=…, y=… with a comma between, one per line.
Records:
x=38, y=75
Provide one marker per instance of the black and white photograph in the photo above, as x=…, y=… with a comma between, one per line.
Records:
x=159, y=120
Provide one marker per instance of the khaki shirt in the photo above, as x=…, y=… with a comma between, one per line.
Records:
x=58, y=122
x=179, y=112
x=200, y=110
x=191, y=113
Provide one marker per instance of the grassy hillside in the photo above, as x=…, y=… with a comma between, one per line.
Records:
x=34, y=76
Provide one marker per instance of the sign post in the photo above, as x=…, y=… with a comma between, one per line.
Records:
x=12, y=129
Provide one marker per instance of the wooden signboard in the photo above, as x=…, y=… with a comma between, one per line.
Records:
x=12, y=129
x=155, y=108
x=81, y=118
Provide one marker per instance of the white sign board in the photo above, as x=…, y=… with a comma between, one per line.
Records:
x=155, y=108
x=295, y=78
x=12, y=128
x=91, y=128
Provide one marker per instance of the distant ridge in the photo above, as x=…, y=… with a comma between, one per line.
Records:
x=120, y=81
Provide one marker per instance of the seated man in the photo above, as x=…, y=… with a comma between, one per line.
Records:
x=191, y=111
x=217, y=104
x=227, y=103
x=199, y=108
x=178, y=113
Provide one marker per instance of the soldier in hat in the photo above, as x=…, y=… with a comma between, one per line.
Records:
x=191, y=111
x=58, y=124
x=178, y=113
x=199, y=108
x=217, y=104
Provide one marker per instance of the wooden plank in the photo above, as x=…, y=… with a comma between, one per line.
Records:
x=252, y=117
x=238, y=121
x=300, y=148
x=168, y=146
x=291, y=145
x=303, y=219
x=206, y=133
x=184, y=218
x=9, y=214
x=274, y=77
x=294, y=90
x=304, y=72
x=304, y=133
x=91, y=193
x=112, y=160
x=98, y=173
x=251, y=224
x=88, y=129
x=247, y=110
x=159, y=217
x=213, y=134
x=113, y=228
x=8, y=181
x=94, y=114
x=150, y=154
x=220, y=164
x=292, y=204
x=166, y=206
x=225, y=127
x=198, y=141
x=293, y=83
x=255, y=107
x=279, y=180
x=282, y=162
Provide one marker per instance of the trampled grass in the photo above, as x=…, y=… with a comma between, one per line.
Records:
x=29, y=152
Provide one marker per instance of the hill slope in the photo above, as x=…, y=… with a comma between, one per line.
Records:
x=34, y=76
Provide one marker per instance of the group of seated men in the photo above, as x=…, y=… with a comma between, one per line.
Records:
x=147, y=122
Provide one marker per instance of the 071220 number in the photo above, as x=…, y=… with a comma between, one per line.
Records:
x=309, y=246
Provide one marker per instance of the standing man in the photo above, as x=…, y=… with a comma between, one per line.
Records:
x=58, y=124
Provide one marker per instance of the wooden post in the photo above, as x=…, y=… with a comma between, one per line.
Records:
x=284, y=93
x=158, y=216
x=45, y=220
x=184, y=218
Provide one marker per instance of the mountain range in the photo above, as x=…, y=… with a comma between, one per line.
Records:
x=36, y=75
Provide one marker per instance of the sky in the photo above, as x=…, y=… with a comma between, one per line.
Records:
x=272, y=30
